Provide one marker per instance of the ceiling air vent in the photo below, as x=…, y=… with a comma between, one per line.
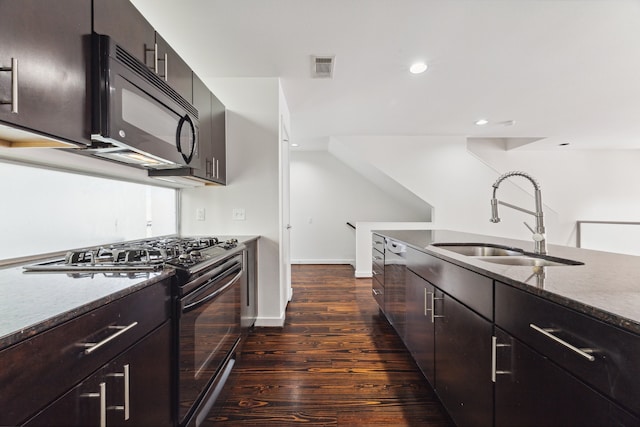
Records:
x=322, y=66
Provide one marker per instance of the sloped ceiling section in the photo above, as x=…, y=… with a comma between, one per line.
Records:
x=405, y=198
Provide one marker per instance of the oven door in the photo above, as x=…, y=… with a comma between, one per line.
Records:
x=208, y=331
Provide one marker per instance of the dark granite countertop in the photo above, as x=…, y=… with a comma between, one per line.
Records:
x=34, y=302
x=606, y=287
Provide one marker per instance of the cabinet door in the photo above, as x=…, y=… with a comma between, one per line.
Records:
x=202, y=101
x=173, y=70
x=219, y=140
x=49, y=43
x=463, y=362
x=531, y=390
x=132, y=390
x=420, y=332
x=120, y=20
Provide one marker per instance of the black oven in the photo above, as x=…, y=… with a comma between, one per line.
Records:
x=137, y=118
x=208, y=332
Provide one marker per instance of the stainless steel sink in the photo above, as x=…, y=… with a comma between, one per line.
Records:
x=504, y=255
x=479, y=250
x=530, y=261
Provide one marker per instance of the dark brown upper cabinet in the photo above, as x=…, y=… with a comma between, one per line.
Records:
x=120, y=20
x=44, y=67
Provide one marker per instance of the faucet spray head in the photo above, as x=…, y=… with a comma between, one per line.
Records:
x=494, y=211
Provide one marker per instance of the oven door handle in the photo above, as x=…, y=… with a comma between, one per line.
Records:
x=195, y=304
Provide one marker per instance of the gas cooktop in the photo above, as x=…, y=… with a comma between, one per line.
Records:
x=138, y=256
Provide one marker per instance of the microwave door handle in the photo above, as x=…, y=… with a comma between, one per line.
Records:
x=183, y=120
x=195, y=304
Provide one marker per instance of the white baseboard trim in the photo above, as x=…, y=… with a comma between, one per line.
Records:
x=269, y=322
x=363, y=274
x=323, y=261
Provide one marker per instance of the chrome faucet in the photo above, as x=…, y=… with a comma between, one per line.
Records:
x=538, y=232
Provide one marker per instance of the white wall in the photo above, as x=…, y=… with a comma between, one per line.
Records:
x=253, y=126
x=441, y=170
x=325, y=195
x=594, y=185
x=47, y=211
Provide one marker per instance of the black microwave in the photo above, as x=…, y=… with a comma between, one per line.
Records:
x=137, y=118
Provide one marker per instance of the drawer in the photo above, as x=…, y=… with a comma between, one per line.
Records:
x=560, y=334
x=378, y=242
x=377, y=289
x=377, y=265
x=468, y=287
x=56, y=360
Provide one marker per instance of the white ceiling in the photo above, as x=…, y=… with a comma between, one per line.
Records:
x=565, y=70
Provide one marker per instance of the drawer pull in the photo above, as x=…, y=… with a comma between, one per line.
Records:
x=494, y=359
x=14, y=85
x=126, y=407
x=376, y=292
x=547, y=332
x=432, y=298
x=92, y=346
x=102, y=395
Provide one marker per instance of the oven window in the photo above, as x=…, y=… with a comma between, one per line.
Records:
x=148, y=116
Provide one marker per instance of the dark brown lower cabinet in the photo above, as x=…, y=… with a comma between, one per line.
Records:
x=462, y=361
x=134, y=389
x=532, y=390
x=420, y=332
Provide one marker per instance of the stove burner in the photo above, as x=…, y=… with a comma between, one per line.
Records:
x=146, y=255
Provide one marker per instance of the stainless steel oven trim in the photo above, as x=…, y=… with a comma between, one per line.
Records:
x=187, y=305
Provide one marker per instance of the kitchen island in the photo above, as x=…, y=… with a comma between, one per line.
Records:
x=507, y=344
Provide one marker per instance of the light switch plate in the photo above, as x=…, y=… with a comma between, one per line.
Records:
x=238, y=214
x=200, y=214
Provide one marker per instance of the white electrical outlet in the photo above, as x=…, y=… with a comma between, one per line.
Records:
x=200, y=214
x=238, y=214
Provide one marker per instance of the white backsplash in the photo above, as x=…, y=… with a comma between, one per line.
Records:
x=46, y=211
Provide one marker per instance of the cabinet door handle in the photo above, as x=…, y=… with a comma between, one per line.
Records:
x=547, y=332
x=14, y=85
x=494, y=359
x=376, y=292
x=126, y=408
x=377, y=258
x=217, y=169
x=92, y=346
x=102, y=395
x=432, y=298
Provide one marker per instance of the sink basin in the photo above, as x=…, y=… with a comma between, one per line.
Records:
x=479, y=250
x=504, y=255
x=529, y=261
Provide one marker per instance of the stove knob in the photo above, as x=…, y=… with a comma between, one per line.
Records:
x=195, y=254
x=183, y=257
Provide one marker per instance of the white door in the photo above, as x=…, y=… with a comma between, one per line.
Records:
x=285, y=233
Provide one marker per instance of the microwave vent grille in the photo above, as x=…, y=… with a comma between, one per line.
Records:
x=134, y=64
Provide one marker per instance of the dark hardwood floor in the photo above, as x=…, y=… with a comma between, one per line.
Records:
x=336, y=362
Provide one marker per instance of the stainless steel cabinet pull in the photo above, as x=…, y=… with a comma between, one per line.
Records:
x=14, y=85
x=548, y=332
x=102, y=394
x=432, y=298
x=166, y=68
x=494, y=359
x=217, y=169
x=125, y=378
x=155, y=58
x=374, y=273
x=91, y=346
x=376, y=292
x=377, y=258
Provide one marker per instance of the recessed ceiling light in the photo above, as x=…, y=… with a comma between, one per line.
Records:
x=418, y=67
x=482, y=122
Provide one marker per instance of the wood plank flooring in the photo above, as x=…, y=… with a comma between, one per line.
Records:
x=336, y=362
